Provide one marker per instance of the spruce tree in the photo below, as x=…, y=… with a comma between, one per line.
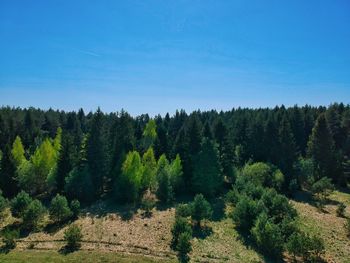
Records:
x=7, y=174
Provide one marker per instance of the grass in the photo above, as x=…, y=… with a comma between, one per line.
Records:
x=79, y=256
x=327, y=225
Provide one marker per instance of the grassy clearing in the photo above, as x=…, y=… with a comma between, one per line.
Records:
x=327, y=225
x=79, y=256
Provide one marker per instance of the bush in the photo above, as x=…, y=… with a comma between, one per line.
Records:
x=148, y=202
x=3, y=205
x=20, y=203
x=201, y=209
x=341, y=210
x=33, y=215
x=75, y=208
x=180, y=226
x=73, y=236
x=9, y=238
x=245, y=213
x=183, y=210
x=59, y=209
x=184, y=246
x=322, y=189
x=268, y=236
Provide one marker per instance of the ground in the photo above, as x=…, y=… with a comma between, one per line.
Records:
x=124, y=234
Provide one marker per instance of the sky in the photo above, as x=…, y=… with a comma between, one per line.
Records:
x=156, y=56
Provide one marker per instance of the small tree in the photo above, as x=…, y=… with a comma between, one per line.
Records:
x=148, y=202
x=33, y=215
x=59, y=209
x=75, y=208
x=201, y=209
x=73, y=236
x=322, y=189
x=180, y=226
x=341, y=210
x=3, y=205
x=183, y=210
x=9, y=238
x=20, y=203
x=184, y=246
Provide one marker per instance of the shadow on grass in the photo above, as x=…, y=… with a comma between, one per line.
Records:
x=65, y=250
x=306, y=197
x=202, y=232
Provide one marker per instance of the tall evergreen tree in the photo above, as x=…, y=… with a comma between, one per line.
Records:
x=8, y=185
x=65, y=162
x=321, y=149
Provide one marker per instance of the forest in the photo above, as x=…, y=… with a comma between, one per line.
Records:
x=57, y=162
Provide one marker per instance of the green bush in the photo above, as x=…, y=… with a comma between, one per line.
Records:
x=75, y=208
x=268, y=236
x=201, y=209
x=184, y=246
x=180, y=226
x=245, y=213
x=59, y=209
x=322, y=189
x=341, y=210
x=183, y=210
x=73, y=237
x=34, y=215
x=20, y=203
x=9, y=238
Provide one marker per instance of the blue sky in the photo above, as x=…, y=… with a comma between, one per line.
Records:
x=159, y=56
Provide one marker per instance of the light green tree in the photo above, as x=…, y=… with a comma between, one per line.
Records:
x=18, y=151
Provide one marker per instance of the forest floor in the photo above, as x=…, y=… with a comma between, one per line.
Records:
x=124, y=234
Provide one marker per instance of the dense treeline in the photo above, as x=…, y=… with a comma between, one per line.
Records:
x=89, y=156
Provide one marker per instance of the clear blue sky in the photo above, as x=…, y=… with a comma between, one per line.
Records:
x=158, y=56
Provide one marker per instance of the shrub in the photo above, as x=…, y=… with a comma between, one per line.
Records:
x=341, y=210
x=268, y=236
x=3, y=205
x=73, y=236
x=201, y=209
x=180, y=226
x=33, y=215
x=20, y=203
x=309, y=248
x=183, y=210
x=148, y=202
x=245, y=213
x=9, y=238
x=59, y=209
x=322, y=189
x=184, y=246
x=75, y=208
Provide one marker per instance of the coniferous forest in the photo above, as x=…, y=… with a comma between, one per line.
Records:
x=57, y=162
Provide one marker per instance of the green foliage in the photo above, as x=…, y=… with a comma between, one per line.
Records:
x=263, y=174
x=165, y=191
x=79, y=184
x=9, y=238
x=176, y=173
x=148, y=202
x=33, y=215
x=207, y=173
x=201, y=209
x=267, y=236
x=129, y=183
x=73, y=236
x=180, y=226
x=20, y=203
x=245, y=213
x=184, y=246
x=150, y=133
x=149, y=171
x=183, y=210
x=75, y=208
x=59, y=210
x=341, y=210
x=3, y=205
x=322, y=189
x=18, y=151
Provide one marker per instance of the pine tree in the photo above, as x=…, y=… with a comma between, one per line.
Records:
x=207, y=172
x=18, y=152
x=321, y=149
x=65, y=162
x=7, y=174
x=97, y=153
